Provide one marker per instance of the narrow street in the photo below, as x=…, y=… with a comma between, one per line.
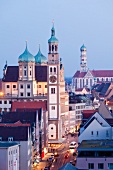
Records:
x=60, y=160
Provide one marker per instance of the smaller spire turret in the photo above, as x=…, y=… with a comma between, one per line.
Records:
x=83, y=59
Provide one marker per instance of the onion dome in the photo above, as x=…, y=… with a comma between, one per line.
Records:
x=53, y=38
x=26, y=56
x=83, y=48
x=40, y=58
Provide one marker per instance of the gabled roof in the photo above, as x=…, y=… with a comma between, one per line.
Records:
x=79, y=74
x=23, y=117
x=103, y=109
x=12, y=74
x=68, y=166
x=41, y=73
x=19, y=133
x=93, y=117
x=88, y=113
x=28, y=106
x=95, y=73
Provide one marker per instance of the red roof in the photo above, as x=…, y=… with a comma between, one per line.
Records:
x=95, y=73
x=80, y=74
x=88, y=113
x=29, y=105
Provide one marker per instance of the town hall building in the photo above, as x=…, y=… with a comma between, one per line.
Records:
x=37, y=78
x=85, y=77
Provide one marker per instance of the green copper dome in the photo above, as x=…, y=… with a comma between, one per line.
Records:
x=53, y=38
x=83, y=48
x=26, y=56
x=40, y=58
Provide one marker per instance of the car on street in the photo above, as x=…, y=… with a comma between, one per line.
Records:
x=73, y=145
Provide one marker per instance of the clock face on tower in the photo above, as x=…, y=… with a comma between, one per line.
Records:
x=52, y=79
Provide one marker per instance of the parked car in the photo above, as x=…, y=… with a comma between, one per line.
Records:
x=47, y=168
x=73, y=145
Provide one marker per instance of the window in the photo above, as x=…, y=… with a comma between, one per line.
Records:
x=5, y=102
x=51, y=127
x=8, y=86
x=52, y=107
x=28, y=86
x=55, y=69
x=39, y=86
x=25, y=73
x=10, y=138
x=25, y=67
x=106, y=79
x=50, y=69
x=0, y=102
x=107, y=134
x=91, y=132
x=55, y=47
x=52, y=47
x=52, y=55
x=14, y=86
x=91, y=166
x=28, y=94
x=100, y=166
x=51, y=135
x=5, y=109
x=97, y=133
x=30, y=73
x=45, y=86
x=21, y=94
x=110, y=165
x=21, y=86
x=49, y=47
x=52, y=90
x=10, y=102
x=0, y=138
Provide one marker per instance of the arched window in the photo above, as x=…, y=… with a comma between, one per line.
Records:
x=49, y=47
x=56, y=47
x=54, y=69
x=97, y=79
x=52, y=47
x=106, y=79
x=51, y=69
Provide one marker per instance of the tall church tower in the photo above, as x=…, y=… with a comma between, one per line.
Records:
x=53, y=74
x=83, y=59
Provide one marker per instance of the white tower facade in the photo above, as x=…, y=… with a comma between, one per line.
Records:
x=83, y=59
x=53, y=72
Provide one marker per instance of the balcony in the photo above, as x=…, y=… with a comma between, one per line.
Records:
x=14, y=96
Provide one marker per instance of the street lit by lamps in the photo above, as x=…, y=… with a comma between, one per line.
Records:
x=1, y=93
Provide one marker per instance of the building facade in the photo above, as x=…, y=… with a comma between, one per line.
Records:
x=86, y=77
x=57, y=97
x=9, y=156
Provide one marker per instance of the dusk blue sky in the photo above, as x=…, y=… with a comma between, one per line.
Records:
x=76, y=22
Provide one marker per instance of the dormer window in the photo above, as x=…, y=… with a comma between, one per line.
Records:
x=10, y=139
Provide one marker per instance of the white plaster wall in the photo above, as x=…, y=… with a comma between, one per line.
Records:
x=85, y=161
x=53, y=113
x=52, y=131
x=95, y=126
